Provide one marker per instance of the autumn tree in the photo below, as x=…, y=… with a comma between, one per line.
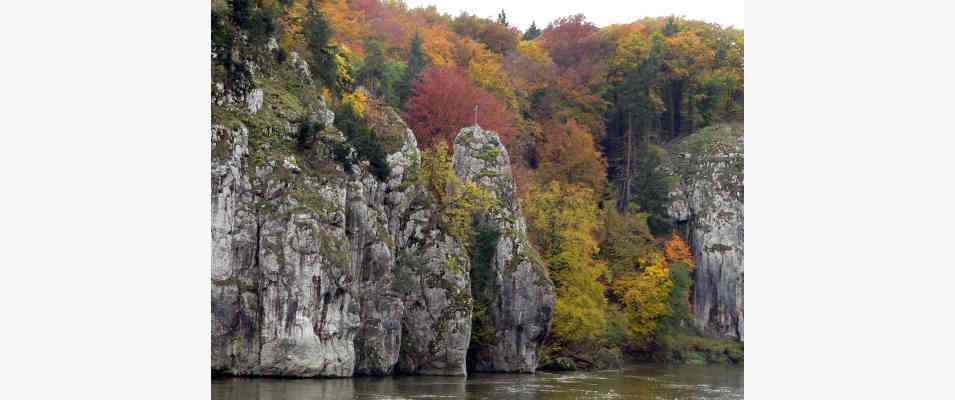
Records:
x=646, y=297
x=569, y=156
x=676, y=250
x=680, y=258
x=627, y=240
x=496, y=36
x=562, y=223
x=443, y=101
x=563, y=38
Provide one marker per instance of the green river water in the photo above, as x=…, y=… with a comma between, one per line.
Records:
x=638, y=381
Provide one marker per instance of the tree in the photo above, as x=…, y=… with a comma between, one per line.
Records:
x=318, y=33
x=533, y=32
x=241, y=12
x=564, y=36
x=350, y=119
x=562, y=222
x=627, y=240
x=646, y=297
x=569, y=156
x=650, y=188
x=443, y=101
x=417, y=62
x=498, y=36
x=676, y=250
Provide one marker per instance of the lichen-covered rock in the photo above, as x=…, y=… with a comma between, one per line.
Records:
x=323, y=271
x=283, y=287
x=521, y=293
x=708, y=197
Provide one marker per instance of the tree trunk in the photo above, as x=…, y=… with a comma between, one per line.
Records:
x=689, y=109
x=629, y=163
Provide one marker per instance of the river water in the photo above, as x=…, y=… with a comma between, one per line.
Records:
x=632, y=382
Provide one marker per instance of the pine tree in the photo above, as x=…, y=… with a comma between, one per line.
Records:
x=533, y=32
x=417, y=62
x=502, y=18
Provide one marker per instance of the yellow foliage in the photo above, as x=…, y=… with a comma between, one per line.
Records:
x=534, y=52
x=562, y=221
x=485, y=69
x=580, y=310
x=358, y=101
x=645, y=296
x=292, y=23
x=343, y=66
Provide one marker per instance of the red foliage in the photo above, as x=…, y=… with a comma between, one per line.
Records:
x=442, y=102
x=564, y=37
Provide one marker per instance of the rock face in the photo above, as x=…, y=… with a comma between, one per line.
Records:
x=520, y=294
x=323, y=271
x=708, y=198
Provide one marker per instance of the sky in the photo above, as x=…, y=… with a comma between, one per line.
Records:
x=600, y=12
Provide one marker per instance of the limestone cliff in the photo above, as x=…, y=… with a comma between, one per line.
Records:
x=708, y=199
x=320, y=268
x=521, y=295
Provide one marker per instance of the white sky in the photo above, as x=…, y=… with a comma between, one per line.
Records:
x=600, y=12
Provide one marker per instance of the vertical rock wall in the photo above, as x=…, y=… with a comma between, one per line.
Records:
x=708, y=199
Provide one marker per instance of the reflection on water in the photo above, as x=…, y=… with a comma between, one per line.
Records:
x=633, y=382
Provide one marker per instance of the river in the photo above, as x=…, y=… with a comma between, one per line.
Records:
x=638, y=381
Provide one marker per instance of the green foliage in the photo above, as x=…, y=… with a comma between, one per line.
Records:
x=262, y=25
x=651, y=187
x=306, y=133
x=483, y=248
x=241, y=12
x=382, y=76
x=417, y=62
x=679, y=296
x=533, y=32
x=692, y=349
x=628, y=240
x=221, y=34
x=318, y=34
x=357, y=134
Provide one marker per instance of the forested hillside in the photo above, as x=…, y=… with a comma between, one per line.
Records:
x=597, y=122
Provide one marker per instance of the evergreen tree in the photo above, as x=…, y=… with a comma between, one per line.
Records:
x=533, y=32
x=241, y=12
x=417, y=62
x=319, y=33
x=502, y=18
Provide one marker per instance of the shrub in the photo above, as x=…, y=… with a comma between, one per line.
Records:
x=306, y=133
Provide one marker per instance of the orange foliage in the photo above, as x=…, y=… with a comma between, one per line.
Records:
x=676, y=250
